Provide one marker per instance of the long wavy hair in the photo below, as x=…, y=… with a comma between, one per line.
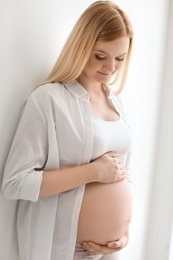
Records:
x=102, y=21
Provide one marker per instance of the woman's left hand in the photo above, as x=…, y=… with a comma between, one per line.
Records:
x=111, y=247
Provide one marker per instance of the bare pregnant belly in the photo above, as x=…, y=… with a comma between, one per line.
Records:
x=105, y=213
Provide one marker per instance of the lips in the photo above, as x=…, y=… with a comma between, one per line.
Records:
x=104, y=74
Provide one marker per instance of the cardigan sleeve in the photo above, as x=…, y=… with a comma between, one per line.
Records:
x=27, y=156
x=128, y=166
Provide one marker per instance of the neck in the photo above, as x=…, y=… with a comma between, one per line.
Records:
x=93, y=88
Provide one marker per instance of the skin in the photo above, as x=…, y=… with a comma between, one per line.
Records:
x=105, y=60
x=112, y=247
x=107, y=168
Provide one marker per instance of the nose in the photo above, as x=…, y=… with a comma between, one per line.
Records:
x=110, y=65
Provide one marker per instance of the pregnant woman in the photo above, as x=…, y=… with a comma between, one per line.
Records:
x=68, y=164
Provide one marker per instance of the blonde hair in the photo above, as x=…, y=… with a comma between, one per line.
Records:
x=101, y=21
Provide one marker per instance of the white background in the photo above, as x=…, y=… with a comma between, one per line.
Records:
x=31, y=36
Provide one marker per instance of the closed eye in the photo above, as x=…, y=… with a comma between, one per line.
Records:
x=120, y=58
x=100, y=57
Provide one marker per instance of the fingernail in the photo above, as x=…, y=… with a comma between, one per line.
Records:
x=112, y=245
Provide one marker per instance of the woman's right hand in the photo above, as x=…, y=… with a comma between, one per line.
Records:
x=109, y=168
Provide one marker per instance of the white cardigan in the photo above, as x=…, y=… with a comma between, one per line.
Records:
x=54, y=132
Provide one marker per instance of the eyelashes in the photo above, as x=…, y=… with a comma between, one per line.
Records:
x=120, y=59
x=98, y=57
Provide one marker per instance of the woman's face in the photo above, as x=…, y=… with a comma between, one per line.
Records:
x=106, y=58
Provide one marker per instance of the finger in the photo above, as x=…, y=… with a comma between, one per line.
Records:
x=112, y=154
x=90, y=247
x=119, y=244
x=123, y=173
x=95, y=249
x=114, y=245
x=117, y=165
x=121, y=177
x=123, y=242
x=121, y=165
x=116, y=161
x=94, y=245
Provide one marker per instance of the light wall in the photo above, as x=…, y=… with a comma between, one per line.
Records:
x=161, y=204
x=32, y=34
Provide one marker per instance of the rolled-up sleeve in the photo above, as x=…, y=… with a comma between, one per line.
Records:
x=128, y=167
x=27, y=156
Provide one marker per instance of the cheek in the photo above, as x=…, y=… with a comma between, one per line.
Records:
x=92, y=64
x=119, y=65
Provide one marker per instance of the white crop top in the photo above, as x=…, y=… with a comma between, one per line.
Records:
x=110, y=136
